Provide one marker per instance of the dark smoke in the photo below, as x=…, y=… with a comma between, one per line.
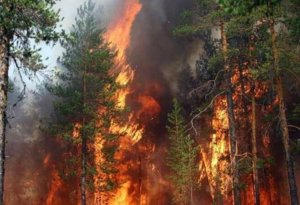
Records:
x=155, y=54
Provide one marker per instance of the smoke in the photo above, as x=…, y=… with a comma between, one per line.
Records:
x=26, y=150
x=155, y=53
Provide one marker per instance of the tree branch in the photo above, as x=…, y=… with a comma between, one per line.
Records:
x=202, y=111
x=23, y=92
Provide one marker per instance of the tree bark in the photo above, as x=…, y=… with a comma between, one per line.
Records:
x=254, y=153
x=282, y=118
x=231, y=119
x=4, y=66
x=83, y=146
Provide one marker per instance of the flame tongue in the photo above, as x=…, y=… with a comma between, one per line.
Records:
x=118, y=35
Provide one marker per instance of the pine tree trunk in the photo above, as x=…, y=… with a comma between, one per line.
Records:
x=4, y=66
x=283, y=120
x=83, y=146
x=254, y=154
x=83, y=174
x=231, y=119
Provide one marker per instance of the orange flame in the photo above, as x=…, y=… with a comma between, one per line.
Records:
x=55, y=184
x=118, y=35
x=214, y=154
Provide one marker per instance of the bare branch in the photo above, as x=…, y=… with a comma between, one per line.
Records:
x=202, y=111
x=207, y=85
x=294, y=126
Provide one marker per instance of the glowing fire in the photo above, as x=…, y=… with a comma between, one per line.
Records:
x=56, y=183
x=214, y=154
x=118, y=35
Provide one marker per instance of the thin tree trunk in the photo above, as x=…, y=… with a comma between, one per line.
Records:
x=282, y=119
x=4, y=66
x=254, y=153
x=83, y=146
x=255, y=177
x=231, y=119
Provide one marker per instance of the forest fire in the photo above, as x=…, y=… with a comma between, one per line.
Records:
x=166, y=106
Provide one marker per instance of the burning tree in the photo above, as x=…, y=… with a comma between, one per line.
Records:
x=87, y=107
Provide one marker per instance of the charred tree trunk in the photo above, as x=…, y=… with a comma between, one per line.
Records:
x=4, y=66
x=231, y=119
x=83, y=146
x=282, y=118
x=254, y=153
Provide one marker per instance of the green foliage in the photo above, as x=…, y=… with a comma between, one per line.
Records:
x=198, y=21
x=216, y=62
x=265, y=162
x=182, y=156
x=243, y=7
x=86, y=90
x=24, y=22
x=295, y=113
x=185, y=30
x=245, y=165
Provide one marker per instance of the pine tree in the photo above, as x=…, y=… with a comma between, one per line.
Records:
x=87, y=107
x=181, y=158
x=22, y=22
